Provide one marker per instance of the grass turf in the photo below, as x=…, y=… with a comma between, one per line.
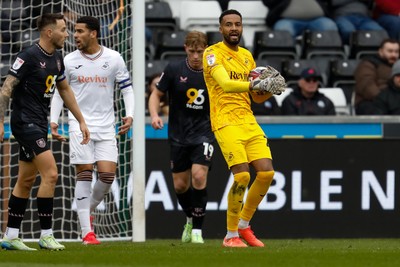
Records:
x=305, y=252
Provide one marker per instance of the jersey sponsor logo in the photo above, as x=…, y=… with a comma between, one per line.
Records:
x=79, y=66
x=210, y=59
x=41, y=143
x=18, y=63
x=95, y=79
x=196, y=98
x=50, y=86
x=238, y=76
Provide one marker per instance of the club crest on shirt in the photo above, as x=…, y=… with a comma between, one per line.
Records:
x=105, y=66
x=41, y=143
x=18, y=63
x=210, y=59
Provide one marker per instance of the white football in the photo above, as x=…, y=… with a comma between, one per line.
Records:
x=257, y=72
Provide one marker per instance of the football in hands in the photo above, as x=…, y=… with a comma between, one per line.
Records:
x=259, y=73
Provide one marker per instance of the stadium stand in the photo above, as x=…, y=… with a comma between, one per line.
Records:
x=337, y=96
x=291, y=69
x=322, y=44
x=253, y=14
x=274, y=44
x=170, y=45
x=365, y=43
x=281, y=97
x=342, y=75
x=159, y=16
x=199, y=15
x=154, y=66
x=275, y=62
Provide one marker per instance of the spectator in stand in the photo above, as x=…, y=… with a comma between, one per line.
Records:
x=388, y=100
x=306, y=99
x=352, y=15
x=268, y=107
x=298, y=16
x=372, y=74
x=387, y=14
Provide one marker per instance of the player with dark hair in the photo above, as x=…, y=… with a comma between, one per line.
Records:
x=241, y=139
x=189, y=131
x=31, y=82
x=93, y=72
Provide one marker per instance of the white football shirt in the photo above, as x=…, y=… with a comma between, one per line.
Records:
x=93, y=79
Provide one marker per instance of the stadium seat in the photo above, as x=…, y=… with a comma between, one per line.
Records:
x=322, y=44
x=274, y=43
x=342, y=75
x=281, y=97
x=13, y=10
x=274, y=62
x=253, y=18
x=214, y=37
x=159, y=17
x=26, y=37
x=199, y=15
x=154, y=66
x=337, y=96
x=291, y=69
x=170, y=45
x=366, y=42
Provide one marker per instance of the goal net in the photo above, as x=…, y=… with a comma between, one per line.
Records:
x=18, y=30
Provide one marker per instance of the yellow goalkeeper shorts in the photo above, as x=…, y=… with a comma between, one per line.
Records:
x=243, y=143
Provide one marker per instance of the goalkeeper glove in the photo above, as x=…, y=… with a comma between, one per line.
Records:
x=275, y=85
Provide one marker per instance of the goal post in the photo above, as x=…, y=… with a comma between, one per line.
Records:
x=119, y=216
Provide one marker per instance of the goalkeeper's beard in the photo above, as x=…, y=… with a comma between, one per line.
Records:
x=230, y=42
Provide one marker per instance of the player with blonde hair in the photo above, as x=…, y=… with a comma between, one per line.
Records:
x=189, y=131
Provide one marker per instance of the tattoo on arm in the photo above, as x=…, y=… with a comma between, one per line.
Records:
x=5, y=94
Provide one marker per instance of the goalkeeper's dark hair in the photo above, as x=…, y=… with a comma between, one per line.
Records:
x=92, y=23
x=229, y=12
x=48, y=19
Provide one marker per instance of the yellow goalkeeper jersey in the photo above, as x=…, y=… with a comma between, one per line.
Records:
x=228, y=105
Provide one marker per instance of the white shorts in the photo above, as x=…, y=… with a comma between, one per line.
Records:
x=101, y=147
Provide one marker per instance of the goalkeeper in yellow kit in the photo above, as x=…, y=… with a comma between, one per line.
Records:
x=241, y=139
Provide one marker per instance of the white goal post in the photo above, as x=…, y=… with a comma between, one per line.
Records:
x=120, y=216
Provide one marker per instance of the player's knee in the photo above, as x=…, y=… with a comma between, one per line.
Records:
x=26, y=183
x=199, y=180
x=85, y=175
x=107, y=177
x=265, y=176
x=180, y=186
x=242, y=178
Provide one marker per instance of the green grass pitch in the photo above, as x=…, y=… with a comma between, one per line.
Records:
x=304, y=252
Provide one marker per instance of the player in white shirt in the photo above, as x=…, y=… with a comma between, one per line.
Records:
x=93, y=71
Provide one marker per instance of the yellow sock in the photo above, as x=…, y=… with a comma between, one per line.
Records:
x=256, y=193
x=235, y=199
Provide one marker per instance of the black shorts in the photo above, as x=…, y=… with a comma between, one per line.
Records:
x=182, y=157
x=32, y=140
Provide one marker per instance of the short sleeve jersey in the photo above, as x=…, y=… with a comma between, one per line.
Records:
x=228, y=108
x=93, y=81
x=38, y=73
x=189, y=108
